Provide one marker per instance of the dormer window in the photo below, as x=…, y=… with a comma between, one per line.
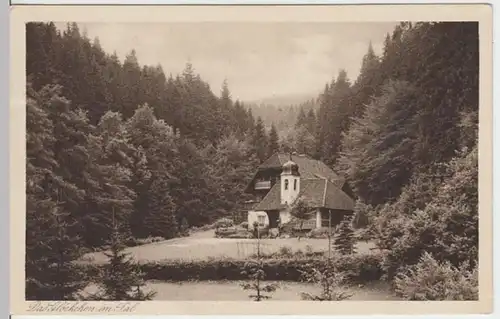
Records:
x=295, y=185
x=286, y=184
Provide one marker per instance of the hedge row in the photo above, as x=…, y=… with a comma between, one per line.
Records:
x=358, y=268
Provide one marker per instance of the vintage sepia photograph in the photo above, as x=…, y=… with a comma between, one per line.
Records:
x=252, y=161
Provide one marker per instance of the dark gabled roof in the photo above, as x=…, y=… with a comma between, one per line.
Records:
x=335, y=198
x=272, y=200
x=309, y=168
x=318, y=193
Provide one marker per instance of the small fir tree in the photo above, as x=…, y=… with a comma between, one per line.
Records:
x=331, y=282
x=121, y=278
x=254, y=269
x=345, y=242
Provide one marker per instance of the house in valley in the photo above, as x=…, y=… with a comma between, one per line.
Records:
x=284, y=178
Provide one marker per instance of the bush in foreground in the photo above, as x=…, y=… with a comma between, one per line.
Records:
x=432, y=280
x=331, y=282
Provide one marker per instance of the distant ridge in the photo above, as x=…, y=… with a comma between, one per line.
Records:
x=285, y=100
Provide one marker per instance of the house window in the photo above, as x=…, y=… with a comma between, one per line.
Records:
x=286, y=184
x=294, y=184
x=261, y=220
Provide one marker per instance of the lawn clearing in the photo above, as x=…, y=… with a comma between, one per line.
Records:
x=232, y=291
x=204, y=245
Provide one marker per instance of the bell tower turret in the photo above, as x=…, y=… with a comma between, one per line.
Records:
x=290, y=182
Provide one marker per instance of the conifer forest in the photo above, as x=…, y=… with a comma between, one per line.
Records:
x=121, y=154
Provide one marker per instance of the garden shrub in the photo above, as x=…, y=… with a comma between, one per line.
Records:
x=432, y=280
x=318, y=233
x=261, y=231
x=231, y=232
x=286, y=251
x=207, y=227
x=244, y=225
x=358, y=268
x=224, y=222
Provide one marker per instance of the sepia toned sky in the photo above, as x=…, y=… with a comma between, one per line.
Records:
x=259, y=60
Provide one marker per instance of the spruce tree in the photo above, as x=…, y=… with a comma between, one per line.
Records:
x=131, y=77
x=120, y=279
x=51, y=249
x=254, y=269
x=329, y=279
x=345, y=242
x=160, y=220
x=311, y=121
x=304, y=141
x=259, y=140
x=250, y=125
x=273, y=141
x=301, y=118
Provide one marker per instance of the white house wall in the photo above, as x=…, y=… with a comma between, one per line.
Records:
x=253, y=216
x=318, y=219
x=285, y=216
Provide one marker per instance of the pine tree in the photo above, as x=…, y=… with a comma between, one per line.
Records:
x=304, y=141
x=273, y=141
x=160, y=220
x=131, y=79
x=230, y=168
x=311, y=122
x=345, y=242
x=241, y=120
x=368, y=83
x=51, y=249
x=250, y=121
x=120, y=279
x=112, y=153
x=301, y=118
x=259, y=140
x=43, y=42
x=335, y=117
x=378, y=148
x=51, y=241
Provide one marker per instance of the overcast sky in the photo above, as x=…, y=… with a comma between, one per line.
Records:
x=259, y=60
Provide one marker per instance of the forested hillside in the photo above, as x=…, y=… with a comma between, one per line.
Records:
x=159, y=152
x=282, y=116
x=404, y=134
